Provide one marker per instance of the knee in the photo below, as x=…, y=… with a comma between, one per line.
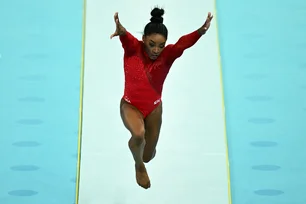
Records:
x=138, y=136
x=147, y=157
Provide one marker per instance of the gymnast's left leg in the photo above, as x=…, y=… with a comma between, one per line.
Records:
x=153, y=124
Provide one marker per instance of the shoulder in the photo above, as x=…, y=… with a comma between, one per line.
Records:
x=168, y=48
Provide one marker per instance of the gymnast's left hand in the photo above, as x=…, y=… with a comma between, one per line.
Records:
x=206, y=25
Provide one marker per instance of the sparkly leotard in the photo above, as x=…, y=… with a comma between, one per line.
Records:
x=144, y=78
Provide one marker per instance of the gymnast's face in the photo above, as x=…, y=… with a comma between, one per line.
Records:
x=154, y=45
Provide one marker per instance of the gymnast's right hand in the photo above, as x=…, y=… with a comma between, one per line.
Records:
x=120, y=30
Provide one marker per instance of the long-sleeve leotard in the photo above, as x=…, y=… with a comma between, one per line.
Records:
x=144, y=78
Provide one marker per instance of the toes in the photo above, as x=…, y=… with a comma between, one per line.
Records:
x=148, y=185
x=145, y=185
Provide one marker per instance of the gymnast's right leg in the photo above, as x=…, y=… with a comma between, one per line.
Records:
x=134, y=122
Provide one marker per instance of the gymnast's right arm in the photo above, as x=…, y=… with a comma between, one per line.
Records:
x=128, y=41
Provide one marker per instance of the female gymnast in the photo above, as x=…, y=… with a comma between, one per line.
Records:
x=146, y=65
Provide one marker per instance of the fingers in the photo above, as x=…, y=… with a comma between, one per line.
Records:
x=208, y=19
x=116, y=18
x=206, y=25
x=209, y=16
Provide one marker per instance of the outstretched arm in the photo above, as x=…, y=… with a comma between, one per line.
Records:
x=128, y=41
x=187, y=41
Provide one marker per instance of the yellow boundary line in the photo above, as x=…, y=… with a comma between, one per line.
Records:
x=81, y=104
x=223, y=110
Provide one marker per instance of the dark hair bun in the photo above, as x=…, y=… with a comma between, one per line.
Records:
x=157, y=14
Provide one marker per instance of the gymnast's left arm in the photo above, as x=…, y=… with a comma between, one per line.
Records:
x=187, y=41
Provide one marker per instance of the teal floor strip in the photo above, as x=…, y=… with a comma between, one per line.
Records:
x=40, y=59
x=263, y=49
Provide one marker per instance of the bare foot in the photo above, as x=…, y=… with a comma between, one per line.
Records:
x=142, y=177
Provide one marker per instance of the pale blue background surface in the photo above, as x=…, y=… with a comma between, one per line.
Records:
x=40, y=47
x=263, y=48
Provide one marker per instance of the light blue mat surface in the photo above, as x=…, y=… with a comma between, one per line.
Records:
x=40, y=47
x=263, y=48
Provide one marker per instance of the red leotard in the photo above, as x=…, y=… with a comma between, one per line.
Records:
x=144, y=78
